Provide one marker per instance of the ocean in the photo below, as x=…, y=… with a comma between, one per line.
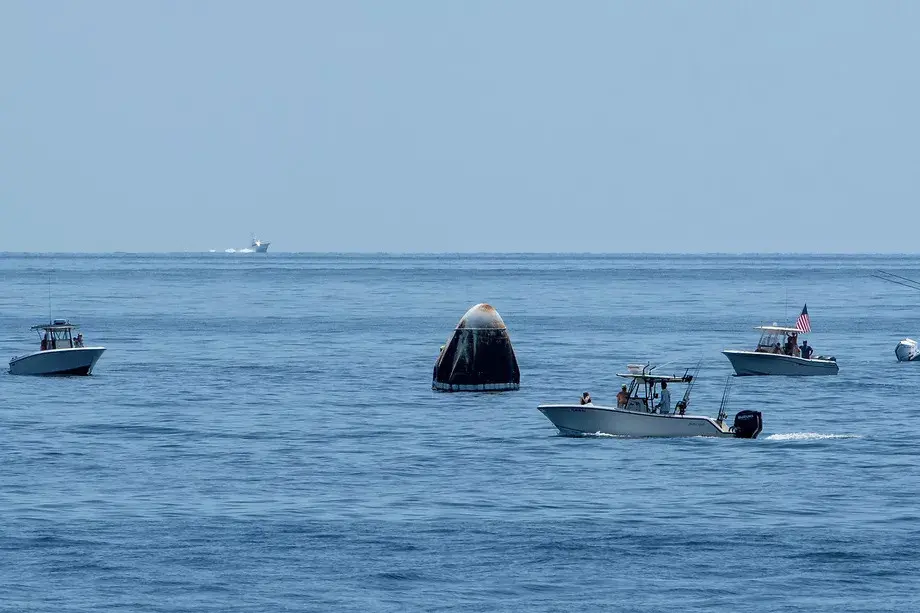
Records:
x=261, y=435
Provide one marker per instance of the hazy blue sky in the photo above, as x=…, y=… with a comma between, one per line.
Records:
x=460, y=125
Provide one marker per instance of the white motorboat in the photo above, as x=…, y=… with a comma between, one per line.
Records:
x=637, y=415
x=777, y=354
x=906, y=350
x=259, y=246
x=60, y=353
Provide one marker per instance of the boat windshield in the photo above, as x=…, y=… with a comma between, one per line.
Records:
x=62, y=338
x=769, y=341
x=59, y=334
x=55, y=337
x=777, y=340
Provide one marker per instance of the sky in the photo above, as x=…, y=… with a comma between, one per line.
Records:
x=460, y=126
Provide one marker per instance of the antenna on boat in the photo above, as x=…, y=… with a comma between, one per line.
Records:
x=725, y=394
x=50, y=315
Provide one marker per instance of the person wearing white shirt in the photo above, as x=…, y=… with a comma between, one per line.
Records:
x=664, y=406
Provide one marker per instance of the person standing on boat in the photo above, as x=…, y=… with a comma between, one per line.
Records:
x=622, y=397
x=664, y=406
x=806, y=350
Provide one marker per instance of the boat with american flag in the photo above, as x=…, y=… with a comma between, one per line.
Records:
x=778, y=353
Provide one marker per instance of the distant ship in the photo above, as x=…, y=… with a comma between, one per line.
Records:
x=259, y=246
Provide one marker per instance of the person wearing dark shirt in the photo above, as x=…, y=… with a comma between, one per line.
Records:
x=807, y=351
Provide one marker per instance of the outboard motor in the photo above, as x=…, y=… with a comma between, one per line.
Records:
x=748, y=424
x=906, y=350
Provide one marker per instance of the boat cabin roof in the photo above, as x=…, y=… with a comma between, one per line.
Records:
x=57, y=324
x=779, y=329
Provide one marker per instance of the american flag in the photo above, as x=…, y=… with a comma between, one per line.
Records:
x=802, y=324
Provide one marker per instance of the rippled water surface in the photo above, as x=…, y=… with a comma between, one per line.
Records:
x=261, y=435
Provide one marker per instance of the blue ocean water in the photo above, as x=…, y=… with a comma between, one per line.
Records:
x=261, y=435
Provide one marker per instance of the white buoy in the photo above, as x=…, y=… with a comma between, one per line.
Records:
x=906, y=351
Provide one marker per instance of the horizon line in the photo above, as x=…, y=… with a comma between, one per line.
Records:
x=472, y=253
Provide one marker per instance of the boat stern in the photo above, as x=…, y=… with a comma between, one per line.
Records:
x=747, y=424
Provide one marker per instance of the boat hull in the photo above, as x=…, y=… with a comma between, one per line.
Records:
x=69, y=361
x=261, y=248
x=748, y=363
x=581, y=420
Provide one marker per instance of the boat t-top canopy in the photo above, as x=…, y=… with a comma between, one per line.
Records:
x=57, y=324
x=657, y=378
x=779, y=330
x=640, y=372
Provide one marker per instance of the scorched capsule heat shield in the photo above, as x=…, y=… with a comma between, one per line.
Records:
x=478, y=357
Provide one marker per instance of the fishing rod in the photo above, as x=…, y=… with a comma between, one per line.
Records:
x=897, y=279
x=725, y=393
x=682, y=405
x=651, y=368
x=891, y=274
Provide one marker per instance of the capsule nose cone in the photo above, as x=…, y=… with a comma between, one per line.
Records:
x=482, y=316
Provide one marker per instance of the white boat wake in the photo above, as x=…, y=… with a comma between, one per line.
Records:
x=239, y=251
x=808, y=436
